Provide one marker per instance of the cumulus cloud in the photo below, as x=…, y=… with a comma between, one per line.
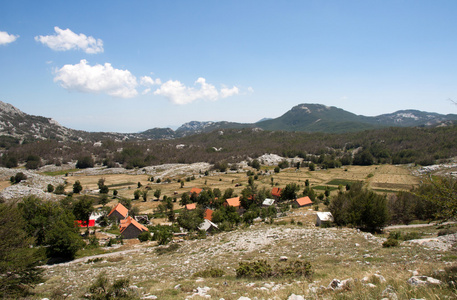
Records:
x=148, y=81
x=66, y=39
x=97, y=79
x=6, y=38
x=178, y=93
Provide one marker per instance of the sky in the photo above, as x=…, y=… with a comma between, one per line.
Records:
x=128, y=66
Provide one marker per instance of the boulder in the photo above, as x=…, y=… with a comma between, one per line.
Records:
x=423, y=280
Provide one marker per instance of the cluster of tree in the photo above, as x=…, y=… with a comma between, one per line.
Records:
x=361, y=208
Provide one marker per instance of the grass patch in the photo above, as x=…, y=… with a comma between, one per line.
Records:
x=342, y=182
x=211, y=272
x=324, y=187
x=89, y=252
x=59, y=173
x=384, y=191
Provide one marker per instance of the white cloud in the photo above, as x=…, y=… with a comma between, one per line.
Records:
x=66, y=39
x=97, y=79
x=6, y=38
x=226, y=92
x=178, y=93
x=148, y=81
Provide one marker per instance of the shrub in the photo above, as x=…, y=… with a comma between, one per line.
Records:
x=50, y=188
x=258, y=269
x=262, y=269
x=18, y=178
x=144, y=236
x=295, y=268
x=211, y=272
x=60, y=189
x=390, y=243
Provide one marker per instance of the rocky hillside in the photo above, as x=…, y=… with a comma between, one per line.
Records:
x=20, y=126
x=346, y=264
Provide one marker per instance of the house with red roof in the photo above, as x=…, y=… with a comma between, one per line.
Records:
x=235, y=202
x=303, y=201
x=119, y=212
x=276, y=193
x=197, y=191
x=208, y=215
x=130, y=229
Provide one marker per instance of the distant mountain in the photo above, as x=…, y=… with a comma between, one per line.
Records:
x=304, y=117
x=330, y=119
x=411, y=117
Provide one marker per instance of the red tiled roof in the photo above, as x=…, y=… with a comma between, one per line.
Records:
x=233, y=201
x=304, y=201
x=208, y=214
x=131, y=221
x=276, y=192
x=196, y=190
x=191, y=206
x=120, y=209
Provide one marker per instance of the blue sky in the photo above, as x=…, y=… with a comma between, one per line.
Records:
x=128, y=66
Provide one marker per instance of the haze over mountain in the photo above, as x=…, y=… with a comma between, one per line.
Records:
x=303, y=117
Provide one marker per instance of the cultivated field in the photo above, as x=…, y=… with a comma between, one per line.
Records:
x=382, y=178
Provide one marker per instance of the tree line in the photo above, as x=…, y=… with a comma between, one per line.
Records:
x=395, y=145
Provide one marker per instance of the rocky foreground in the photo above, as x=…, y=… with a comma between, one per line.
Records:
x=347, y=264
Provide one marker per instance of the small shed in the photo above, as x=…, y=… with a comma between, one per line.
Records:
x=324, y=218
x=268, y=202
x=208, y=226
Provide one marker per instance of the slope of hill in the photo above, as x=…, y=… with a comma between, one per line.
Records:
x=20, y=126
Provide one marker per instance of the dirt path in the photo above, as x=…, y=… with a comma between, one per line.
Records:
x=416, y=225
x=86, y=258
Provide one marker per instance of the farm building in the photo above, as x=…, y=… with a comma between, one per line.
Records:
x=130, y=229
x=119, y=212
x=268, y=202
x=324, y=218
x=303, y=201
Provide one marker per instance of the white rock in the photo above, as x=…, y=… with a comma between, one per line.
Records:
x=423, y=280
x=295, y=297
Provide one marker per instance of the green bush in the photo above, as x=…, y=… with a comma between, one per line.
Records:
x=258, y=269
x=211, y=272
x=144, y=236
x=390, y=243
x=294, y=269
x=262, y=269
